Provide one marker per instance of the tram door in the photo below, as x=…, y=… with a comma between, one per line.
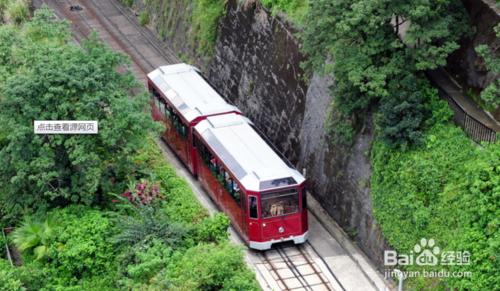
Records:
x=244, y=214
x=253, y=217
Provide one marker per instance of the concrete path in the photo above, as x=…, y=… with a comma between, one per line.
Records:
x=448, y=85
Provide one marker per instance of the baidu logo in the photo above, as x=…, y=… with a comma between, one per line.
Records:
x=426, y=253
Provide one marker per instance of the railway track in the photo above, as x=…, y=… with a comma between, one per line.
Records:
x=85, y=17
x=299, y=267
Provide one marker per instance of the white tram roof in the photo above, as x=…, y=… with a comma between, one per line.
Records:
x=246, y=154
x=186, y=89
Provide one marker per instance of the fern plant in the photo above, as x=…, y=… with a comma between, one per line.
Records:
x=146, y=225
x=34, y=236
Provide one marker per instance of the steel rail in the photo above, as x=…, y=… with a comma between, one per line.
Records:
x=147, y=34
x=275, y=270
x=291, y=266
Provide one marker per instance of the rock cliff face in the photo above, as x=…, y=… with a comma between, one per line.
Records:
x=465, y=64
x=257, y=67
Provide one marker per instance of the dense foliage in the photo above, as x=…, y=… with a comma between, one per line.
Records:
x=78, y=253
x=128, y=248
x=205, y=20
x=83, y=235
x=14, y=11
x=447, y=189
x=210, y=267
x=491, y=94
x=357, y=42
x=295, y=10
x=49, y=81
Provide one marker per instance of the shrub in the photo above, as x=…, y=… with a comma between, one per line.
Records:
x=29, y=276
x=142, y=192
x=242, y=279
x=445, y=189
x=145, y=225
x=81, y=248
x=17, y=11
x=149, y=260
x=144, y=18
x=8, y=278
x=295, y=10
x=180, y=204
x=401, y=115
x=128, y=3
x=205, y=18
x=209, y=267
x=213, y=229
x=3, y=5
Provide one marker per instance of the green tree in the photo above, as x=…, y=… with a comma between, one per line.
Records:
x=402, y=114
x=66, y=82
x=365, y=54
x=434, y=29
x=491, y=94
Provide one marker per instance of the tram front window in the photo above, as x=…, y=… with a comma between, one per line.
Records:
x=280, y=203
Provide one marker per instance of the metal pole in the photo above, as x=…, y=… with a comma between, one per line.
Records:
x=7, y=248
x=400, y=275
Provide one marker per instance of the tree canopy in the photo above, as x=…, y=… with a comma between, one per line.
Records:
x=370, y=62
x=50, y=81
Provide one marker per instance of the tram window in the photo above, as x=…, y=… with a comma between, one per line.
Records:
x=252, y=202
x=157, y=102
x=280, y=203
x=205, y=155
x=162, y=107
x=229, y=184
x=233, y=189
x=220, y=175
x=154, y=94
x=168, y=112
x=181, y=129
x=213, y=165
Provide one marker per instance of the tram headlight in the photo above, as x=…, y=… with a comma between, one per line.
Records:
x=281, y=229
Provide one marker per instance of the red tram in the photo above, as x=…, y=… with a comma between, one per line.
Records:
x=264, y=197
x=181, y=98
